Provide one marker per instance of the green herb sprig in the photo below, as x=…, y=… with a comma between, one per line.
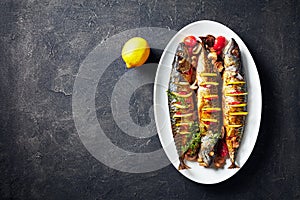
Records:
x=177, y=98
x=195, y=140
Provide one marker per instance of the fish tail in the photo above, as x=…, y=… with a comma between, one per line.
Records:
x=182, y=165
x=232, y=154
x=233, y=165
x=232, y=159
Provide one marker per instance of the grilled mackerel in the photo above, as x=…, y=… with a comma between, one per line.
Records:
x=208, y=102
x=234, y=99
x=181, y=99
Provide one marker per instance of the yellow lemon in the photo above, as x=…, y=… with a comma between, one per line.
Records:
x=135, y=52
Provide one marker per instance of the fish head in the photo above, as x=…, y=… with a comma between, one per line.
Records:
x=207, y=57
x=182, y=59
x=201, y=61
x=231, y=53
x=232, y=48
x=208, y=41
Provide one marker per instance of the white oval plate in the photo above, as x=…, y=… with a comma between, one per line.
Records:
x=161, y=111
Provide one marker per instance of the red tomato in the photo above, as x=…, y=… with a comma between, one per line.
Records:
x=236, y=92
x=190, y=41
x=219, y=43
x=182, y=92
x=234, y=102
x=209, y=123
x=224, y=149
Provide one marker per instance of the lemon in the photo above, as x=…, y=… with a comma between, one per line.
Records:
x=135, y=52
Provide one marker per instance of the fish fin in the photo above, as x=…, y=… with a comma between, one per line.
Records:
x=182, y=165
x=233, y=165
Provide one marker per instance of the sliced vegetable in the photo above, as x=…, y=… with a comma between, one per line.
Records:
x=184, y=124
x=209, y=120
x=183, y=94
x=234, y=125
x=236, y=82
x=238, y=105
x=183, y=115
x=211, y=109
x=208, y=74
x=178, y=105
x=234, y=102
x=238, y=113
x=209, y=123
x=184, y=132
x=236, y=94
x=182, y=83
x=209, y=83
x=212, y=96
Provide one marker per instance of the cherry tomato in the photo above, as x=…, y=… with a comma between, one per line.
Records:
x=190, y=41
x=219, y=43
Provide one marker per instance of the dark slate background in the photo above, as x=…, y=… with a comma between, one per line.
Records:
x=42, y=44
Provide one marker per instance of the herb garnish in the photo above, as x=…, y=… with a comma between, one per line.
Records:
x=195, y=140
x=177, y=98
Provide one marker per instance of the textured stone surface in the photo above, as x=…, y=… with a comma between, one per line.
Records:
x=42, y=44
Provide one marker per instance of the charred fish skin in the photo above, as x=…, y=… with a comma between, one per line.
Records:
x=234, y=99
x=208, y=104
x=181, y=102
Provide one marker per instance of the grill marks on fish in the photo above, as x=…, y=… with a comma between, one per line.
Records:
x=209, y=109
x=234, y=99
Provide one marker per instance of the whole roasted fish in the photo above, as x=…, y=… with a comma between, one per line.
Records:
x=234, y=99
x=208, y=102
x=181, y=99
